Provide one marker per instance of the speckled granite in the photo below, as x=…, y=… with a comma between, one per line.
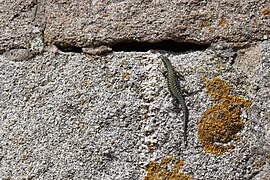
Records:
x=74, y=116
x=94, y=23
x=68, y=115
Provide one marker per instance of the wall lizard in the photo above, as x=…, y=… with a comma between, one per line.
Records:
x=176, y=91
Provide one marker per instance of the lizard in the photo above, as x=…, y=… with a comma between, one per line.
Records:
x=176, y=91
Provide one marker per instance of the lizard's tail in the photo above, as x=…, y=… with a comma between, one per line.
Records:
x=186, y=114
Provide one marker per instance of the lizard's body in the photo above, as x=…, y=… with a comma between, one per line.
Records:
x=176, y=91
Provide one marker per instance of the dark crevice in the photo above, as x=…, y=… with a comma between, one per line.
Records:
x=167, y=45
x=125, y=46
x=69, y=48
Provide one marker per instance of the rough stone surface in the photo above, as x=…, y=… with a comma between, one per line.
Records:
x=19, y=23
x=94, y=23
x=74, y=116
x=67, y=115
x=97, y=51
x=18, y=54
x=97, y=22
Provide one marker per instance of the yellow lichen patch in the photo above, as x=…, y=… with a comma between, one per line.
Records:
x=177, y=163
x=83, y=101
x=217, y=88
x=236, y=101
x=85, y=83
x=218, y=125
x=265, y=11
x=221, y=122
x=203, y=24
x=167, y=169
x=204, y=79
x=152, y=168
x=211, y=29
x=124, y=75
x=165, y=161
x=105, y=14
x=222, y=22
x=254, y=20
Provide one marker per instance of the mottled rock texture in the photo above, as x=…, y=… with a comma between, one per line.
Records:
x=20, y=22
x=75, y=116
x=104, y=22
x=66, y=112
x=94, y=23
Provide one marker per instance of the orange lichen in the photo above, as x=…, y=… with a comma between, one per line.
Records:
x=222, y=22
x=210, y=29
x=265, y=11
x=217, y=88
x=83, y=101
x=124, y=75
x=218, y=126
x=178, y=164
x=165, y=161
x=105, y=14
x=167, y=169
x=203, y=24
x=235, y=101
x=221, y=122
x=254, y=20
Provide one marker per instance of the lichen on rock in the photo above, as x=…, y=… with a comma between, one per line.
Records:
x=167, y=169
x=221, y=122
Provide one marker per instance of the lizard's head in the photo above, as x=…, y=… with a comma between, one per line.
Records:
x=165, y=61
